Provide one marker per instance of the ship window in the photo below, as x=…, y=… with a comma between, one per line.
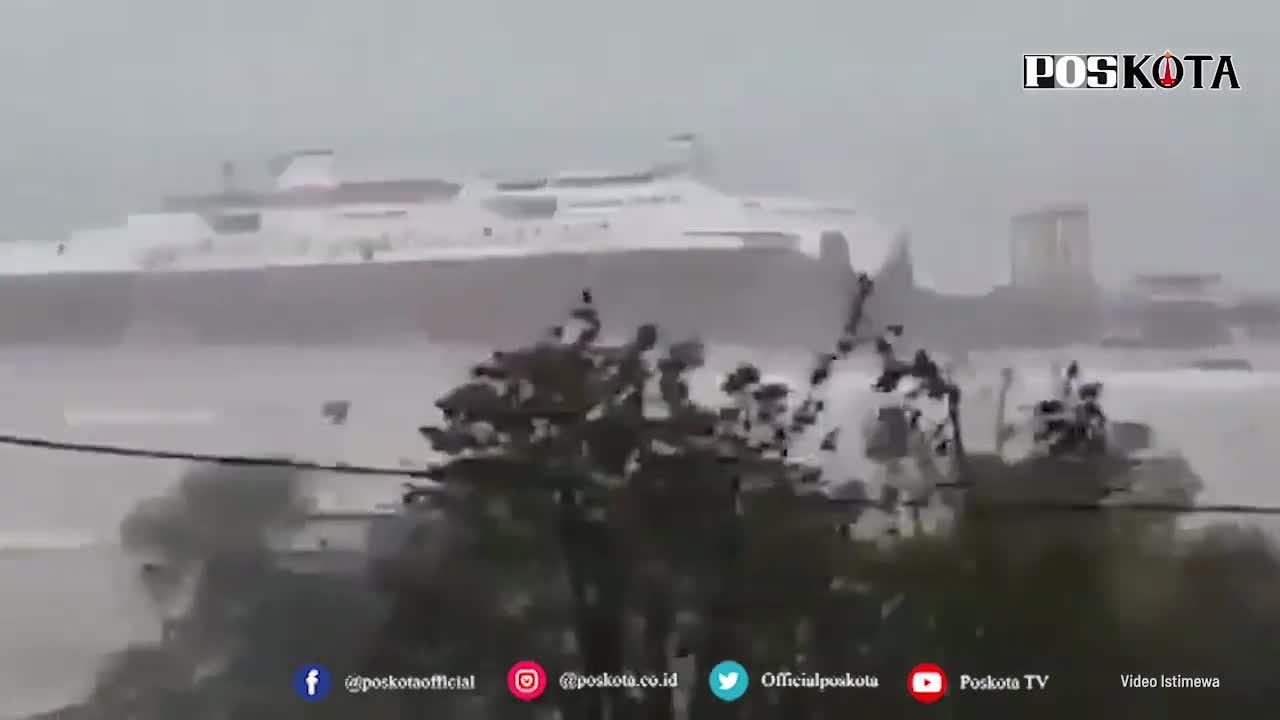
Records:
x=587, y=181
x=521, y=185
x=523, y=207
x=376, y=215
x=237, y=223
x=597, y=204
x=656, y=200
x=811, y=211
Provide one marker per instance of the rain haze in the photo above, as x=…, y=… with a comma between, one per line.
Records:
x=914, y=111
x=913, y=114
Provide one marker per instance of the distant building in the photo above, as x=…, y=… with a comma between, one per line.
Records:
x=1205, y=287
x=1184, y=309
x=1050, y=252
x=1052, y=297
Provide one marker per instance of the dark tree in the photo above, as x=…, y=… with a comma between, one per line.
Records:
x=594, y=516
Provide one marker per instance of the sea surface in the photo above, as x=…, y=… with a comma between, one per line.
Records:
x=69, y=591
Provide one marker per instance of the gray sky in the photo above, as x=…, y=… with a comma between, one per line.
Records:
x=913, y=109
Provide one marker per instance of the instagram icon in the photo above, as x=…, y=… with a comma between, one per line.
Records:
x=526, y=680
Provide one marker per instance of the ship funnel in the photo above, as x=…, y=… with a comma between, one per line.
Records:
x=307, y=170
x=684, y=155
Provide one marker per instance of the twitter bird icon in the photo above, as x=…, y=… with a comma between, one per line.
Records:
x=728, y=680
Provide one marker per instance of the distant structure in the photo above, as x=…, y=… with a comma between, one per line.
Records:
x=229, y=186
x=1053, y=297
x=308, y=170
x=1184, y=309
x=1205, y=287
x=685, y=155
x=1050, y=253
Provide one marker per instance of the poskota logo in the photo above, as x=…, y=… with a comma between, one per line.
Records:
x=927, y=683
x=1163, y=70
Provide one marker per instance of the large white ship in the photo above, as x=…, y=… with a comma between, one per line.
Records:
x=321, y=260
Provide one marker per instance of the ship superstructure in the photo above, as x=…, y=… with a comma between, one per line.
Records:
x=318, y=259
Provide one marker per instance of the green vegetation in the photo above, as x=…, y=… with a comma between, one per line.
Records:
x=592, y=516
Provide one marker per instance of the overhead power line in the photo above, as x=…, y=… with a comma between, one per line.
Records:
x=213, y=458
x=40, y=443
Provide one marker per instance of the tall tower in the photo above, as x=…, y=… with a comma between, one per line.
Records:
x=1050, y=252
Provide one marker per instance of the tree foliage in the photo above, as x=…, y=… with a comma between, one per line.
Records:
x=593, y=516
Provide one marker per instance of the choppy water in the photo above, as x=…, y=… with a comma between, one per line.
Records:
x=70, y=596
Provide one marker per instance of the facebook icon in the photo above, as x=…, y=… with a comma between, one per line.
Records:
x=311, y=682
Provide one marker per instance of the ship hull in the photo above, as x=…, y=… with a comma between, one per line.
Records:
x=756, y=296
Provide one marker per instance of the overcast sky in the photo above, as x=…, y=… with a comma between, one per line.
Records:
x=914, y=110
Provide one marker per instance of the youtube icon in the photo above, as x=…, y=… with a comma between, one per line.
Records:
x=927, y=683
